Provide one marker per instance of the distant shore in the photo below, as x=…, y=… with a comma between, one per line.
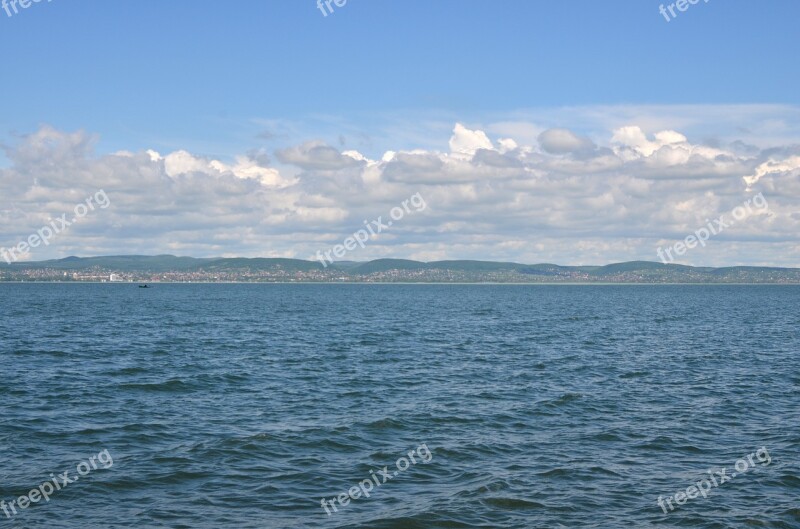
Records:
x=177, y=270
x=385, y=283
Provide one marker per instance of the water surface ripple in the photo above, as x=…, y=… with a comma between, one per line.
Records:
x=543, y=406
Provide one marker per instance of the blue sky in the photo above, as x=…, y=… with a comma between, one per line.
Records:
x=223, y=80
x=198, y=71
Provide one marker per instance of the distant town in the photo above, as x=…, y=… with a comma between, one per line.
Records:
x=171, y=269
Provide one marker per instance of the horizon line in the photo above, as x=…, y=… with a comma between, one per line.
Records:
x=22, y=263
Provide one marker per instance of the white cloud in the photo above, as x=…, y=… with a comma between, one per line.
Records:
x=773, y=167
x=553, y=196
x=633, y=138
x=465, y=142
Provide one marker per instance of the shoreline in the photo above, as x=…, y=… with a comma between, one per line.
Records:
x=598, y=283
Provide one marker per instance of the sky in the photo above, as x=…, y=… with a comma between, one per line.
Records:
x=573, y=132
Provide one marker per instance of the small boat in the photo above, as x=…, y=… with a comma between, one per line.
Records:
x=143, y=286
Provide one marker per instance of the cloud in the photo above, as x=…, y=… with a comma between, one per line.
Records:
x=465, y=142
x=633, y=141
x=251, y=166
x=48, y=145
x=554, y=196
x=315, y=155
x=563, y=141
x=773, y=167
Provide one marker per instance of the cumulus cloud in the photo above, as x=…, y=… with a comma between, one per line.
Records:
x=465, y=142
x=316, y=155
x=632, y=141
x=250, y=166
x=554, y=196
x=564, y=141
x=773, y=167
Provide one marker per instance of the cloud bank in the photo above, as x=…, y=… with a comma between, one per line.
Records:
x=516, y=191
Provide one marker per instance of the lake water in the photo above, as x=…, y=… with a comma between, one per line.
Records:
x=525, y=406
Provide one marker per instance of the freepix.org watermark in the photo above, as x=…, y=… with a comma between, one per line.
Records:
x=55, y=227
x=56, y=483
x=374, y=227
x=681, y=5
x=327, y=8
x=715, y=227
x=11, y=5
x=715, y=478
x=376, y=480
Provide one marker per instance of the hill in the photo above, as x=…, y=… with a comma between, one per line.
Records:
x=169, y=268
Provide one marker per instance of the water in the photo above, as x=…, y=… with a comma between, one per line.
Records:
x=542, y=406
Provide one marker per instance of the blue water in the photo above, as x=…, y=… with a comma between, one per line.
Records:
x=542, y=406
